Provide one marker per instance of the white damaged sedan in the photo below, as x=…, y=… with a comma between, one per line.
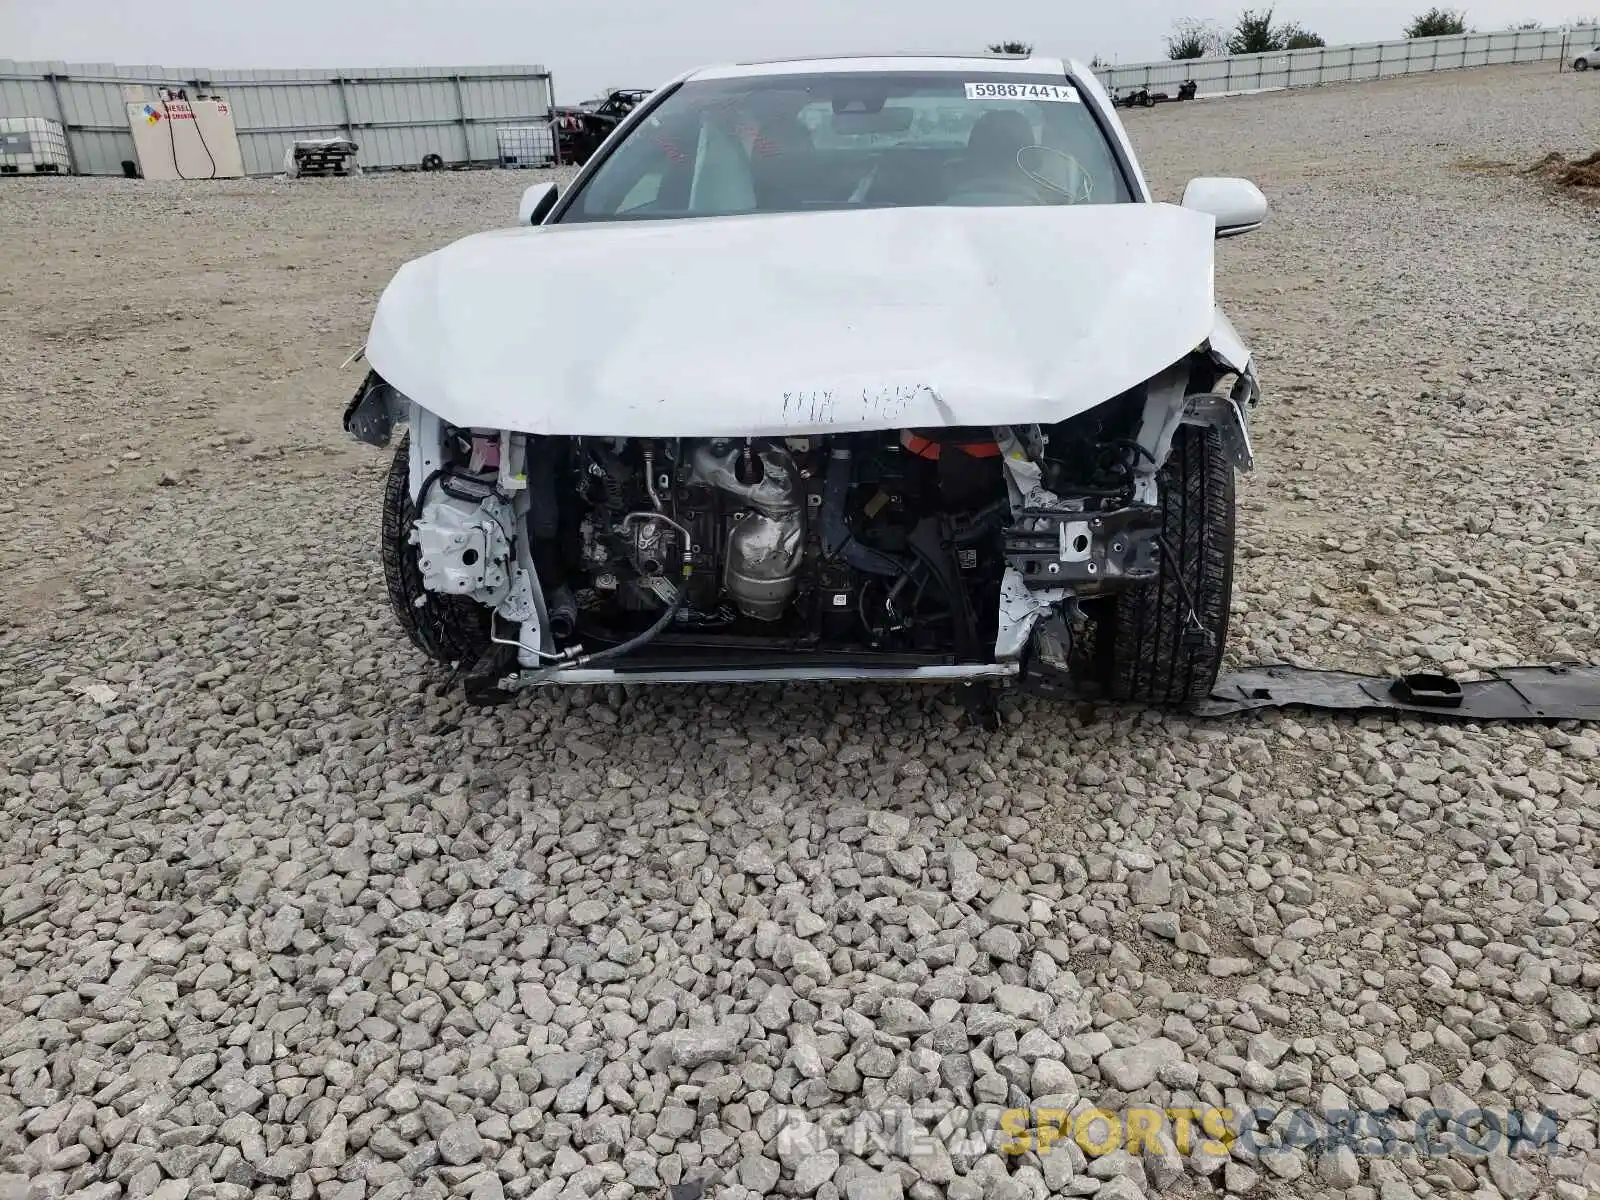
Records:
x=872, y=369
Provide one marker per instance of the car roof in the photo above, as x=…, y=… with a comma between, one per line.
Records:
x=988, y=64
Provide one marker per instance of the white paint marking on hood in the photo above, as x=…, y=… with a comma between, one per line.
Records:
x=805, y=323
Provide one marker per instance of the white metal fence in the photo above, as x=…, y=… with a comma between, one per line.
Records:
x=396, y=115
x=1343, y=64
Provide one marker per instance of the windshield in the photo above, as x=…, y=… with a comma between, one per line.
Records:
x=792, y=143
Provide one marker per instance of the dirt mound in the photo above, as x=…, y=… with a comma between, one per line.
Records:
x=1559, y=169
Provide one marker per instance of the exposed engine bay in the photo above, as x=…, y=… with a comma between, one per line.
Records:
x=914, y=547
x=851, y=543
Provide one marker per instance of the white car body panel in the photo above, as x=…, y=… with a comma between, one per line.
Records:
x=1227, y=345
x=795, y=324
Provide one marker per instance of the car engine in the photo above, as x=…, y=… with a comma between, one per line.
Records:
x=842, y=542
x=732, y=549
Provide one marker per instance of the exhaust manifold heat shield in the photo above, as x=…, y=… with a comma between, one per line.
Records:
x=762, y=565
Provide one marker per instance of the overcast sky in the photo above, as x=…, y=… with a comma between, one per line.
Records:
x=592, y=44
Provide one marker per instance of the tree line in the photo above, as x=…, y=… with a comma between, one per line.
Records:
x=1257, y=32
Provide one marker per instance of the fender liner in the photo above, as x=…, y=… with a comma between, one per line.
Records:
x=374, y=411
x=1228, y=413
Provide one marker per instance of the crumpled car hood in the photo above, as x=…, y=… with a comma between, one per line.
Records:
x=792, y=324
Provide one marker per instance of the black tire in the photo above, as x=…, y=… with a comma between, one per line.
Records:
x=1155, y=655
x=448, y=629
x=1581, y=64
x=432, y=162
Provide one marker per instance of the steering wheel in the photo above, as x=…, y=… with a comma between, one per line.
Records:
x=1004, y=191
x=1076, y=183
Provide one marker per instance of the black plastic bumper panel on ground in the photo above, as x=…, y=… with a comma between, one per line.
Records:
x=1545, y=693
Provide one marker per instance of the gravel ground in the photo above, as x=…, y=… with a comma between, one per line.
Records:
x=279, y=916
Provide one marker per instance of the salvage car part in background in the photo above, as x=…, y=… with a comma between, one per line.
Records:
x=581, y=128
x=320, y=157
x=1144, y=98
x=432, y=162
x=762, y=498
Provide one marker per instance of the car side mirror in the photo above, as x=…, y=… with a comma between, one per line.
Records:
x=1237, y=204
x=536, y=204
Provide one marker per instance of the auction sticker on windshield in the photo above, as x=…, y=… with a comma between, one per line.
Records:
x=1058, y=92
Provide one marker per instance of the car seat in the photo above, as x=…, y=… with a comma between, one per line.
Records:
x=991, y=152
x=994, y=141
x=722, y=181
x=781, y=164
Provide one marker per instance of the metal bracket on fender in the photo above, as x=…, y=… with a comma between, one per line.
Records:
x=1021, y=608
x=1226, y=414
x=1086, y=551
x=374, y=411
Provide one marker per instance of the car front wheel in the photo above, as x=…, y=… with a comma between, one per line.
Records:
x=448, y=629
x=1581, y=65
x=1166, y=638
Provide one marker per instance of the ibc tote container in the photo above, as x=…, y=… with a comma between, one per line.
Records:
x=33, y=146
x=526, y=146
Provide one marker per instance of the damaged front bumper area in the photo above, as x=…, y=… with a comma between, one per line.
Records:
x=664, y=560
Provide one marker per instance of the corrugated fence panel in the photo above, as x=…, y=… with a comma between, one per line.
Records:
x=502, y=99
x=1336, y=62
x=396, y=115
x=1340, y=64
x=400, y=103
x=1394, y=60
x=269, y=106
x=407, y=145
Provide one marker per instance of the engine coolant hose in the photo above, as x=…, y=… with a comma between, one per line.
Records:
x=638, y=639
x=563, y=606
x=837, y=540
x=666, y=618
